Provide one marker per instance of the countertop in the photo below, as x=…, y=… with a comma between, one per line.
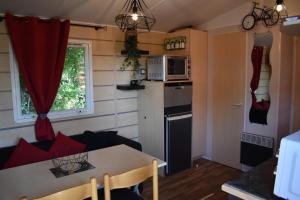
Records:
x=258, y=183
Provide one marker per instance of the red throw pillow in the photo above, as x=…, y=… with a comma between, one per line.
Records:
x=64, y=146
x=26, y=153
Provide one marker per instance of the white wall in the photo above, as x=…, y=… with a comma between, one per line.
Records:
x=114, y=109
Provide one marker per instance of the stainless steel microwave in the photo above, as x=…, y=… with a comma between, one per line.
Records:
x=168, y=68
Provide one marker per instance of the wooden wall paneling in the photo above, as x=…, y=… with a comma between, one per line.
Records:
x=5, y=100
x=90, y=33
x=104, y=107
x=123, y=77
x=121, y=94
x=296, y=85
x=103, y=78
x=4, y=43
x=285, y=88
x=126, y=105
x=4, y=63
x=105, y=48
x=129, y=131
x=3, y=28
x=5, y=83
x=228, y=68
x=80, y=125
x=119, y=46
x=199, y=77
x=104, y=93
x=151, y=37
x=126, y=119
x=6, y=118
x=103, y=62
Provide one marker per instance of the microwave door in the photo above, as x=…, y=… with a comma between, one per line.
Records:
x=176, y=68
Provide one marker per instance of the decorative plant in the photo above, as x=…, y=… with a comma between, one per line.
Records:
x=132, y=53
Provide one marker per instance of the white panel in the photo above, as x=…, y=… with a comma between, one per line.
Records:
x=5, y=100
x=103, y=78
x=127, y=119
x=4, y=63
x=126, y=105
x=123, y=77
x=4, y=44
x=6, y=119
x=129, y=131
x=103, y=48
x=126, y=93
x=11, y=137
x=135, y=139
x=5, y=83
x=79, y=126
x=103, y=62
x=3, y=27
x=104, y=93
x=104, y=107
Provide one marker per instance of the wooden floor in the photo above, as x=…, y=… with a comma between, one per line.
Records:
x=201, y=182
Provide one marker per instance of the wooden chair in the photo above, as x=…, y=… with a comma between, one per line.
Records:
x=131, y=178
x=75, y=193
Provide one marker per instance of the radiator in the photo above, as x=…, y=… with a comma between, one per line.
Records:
x=255, y=149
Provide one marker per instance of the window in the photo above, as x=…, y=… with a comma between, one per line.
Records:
x=74, y=96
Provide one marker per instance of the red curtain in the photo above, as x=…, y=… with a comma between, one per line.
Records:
x=256, y=57
x=40, y=49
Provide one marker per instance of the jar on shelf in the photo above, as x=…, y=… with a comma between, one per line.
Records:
x=177, y=44
x=168, y=44
x=172, y=44
x=182, y=43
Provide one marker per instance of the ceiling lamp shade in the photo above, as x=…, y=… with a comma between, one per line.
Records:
x=135, y=14
x=281, y=8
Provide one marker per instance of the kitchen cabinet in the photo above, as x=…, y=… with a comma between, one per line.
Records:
x=196, y=49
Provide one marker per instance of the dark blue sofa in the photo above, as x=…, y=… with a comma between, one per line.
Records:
x=93, y=140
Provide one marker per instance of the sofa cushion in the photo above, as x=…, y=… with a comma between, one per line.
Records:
x=64, y=146
x=95, y=140
x=26, y=153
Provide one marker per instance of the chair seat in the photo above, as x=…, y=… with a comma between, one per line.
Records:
x=120, y=194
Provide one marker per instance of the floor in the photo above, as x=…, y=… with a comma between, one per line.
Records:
x=202, y=182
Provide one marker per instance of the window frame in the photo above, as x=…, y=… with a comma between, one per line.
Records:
x=74, y=113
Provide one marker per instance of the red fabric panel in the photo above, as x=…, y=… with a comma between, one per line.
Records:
x=26, y=153
x=40, y=49
x=64, y=146
x=256, y=57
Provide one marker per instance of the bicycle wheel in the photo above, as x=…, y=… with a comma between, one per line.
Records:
x=271, y=17
x=248, y=22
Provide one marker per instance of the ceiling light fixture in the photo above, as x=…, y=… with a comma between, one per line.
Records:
x=135, y=14
x=281, y=8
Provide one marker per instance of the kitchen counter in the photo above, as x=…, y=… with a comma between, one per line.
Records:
x=258, y=183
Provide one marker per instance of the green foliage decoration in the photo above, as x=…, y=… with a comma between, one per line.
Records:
x=133, y=54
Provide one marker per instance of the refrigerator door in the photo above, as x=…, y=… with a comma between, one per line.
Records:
x=178, y=143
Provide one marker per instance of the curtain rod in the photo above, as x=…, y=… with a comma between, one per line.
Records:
x=96, y=27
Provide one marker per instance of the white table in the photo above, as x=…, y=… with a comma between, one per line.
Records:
x=36, y=180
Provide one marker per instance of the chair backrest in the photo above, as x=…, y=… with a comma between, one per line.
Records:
x=132, y=178
x=75, y=193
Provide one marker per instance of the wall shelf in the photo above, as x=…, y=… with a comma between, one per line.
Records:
x=130, y=87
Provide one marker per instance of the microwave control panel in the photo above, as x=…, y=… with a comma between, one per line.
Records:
x=155, y=68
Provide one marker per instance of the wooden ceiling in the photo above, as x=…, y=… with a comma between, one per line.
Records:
x=170, y=14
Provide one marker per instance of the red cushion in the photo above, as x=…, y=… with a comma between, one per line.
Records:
x=64, y=146
x=26, y=153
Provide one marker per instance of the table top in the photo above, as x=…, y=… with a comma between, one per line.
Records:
x=256, y=184
x=36, y=180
